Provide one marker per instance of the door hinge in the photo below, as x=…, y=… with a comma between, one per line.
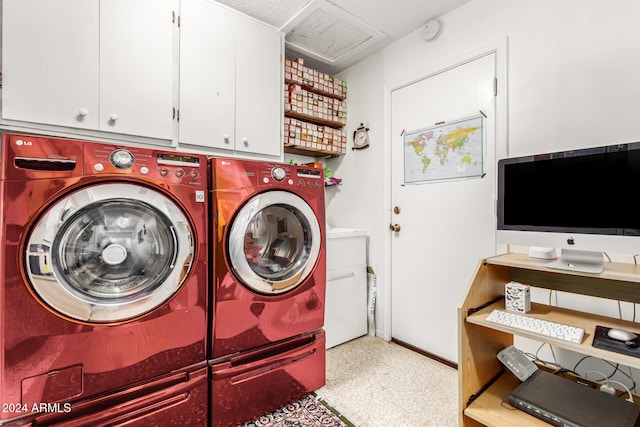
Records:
x=495, y=86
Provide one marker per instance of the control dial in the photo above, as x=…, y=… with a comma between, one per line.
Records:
x=278, y=173
x=122, y=159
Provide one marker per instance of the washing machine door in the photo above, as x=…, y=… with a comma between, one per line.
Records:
x=274, y=242
x=109, y=253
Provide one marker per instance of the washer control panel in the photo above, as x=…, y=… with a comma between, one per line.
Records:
x=167, y=166
x=122, y=159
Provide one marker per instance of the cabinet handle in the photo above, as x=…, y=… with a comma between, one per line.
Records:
x=226, y=138
x=83, y=112
x=113, y=117
x=245, y=141
x=344, y=276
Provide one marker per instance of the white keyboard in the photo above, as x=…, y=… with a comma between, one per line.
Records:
x=544, y=328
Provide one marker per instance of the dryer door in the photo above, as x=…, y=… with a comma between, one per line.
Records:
x=274, y=242
x=109, y=253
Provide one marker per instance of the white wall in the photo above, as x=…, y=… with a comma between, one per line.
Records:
x=358, y=202
x=573, y=68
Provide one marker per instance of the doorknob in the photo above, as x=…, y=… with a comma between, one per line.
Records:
x=396, y=210
x=394, y=227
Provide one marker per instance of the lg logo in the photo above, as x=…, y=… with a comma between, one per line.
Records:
x=21, y=142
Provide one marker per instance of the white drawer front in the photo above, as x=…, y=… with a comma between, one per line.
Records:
x=346, y=305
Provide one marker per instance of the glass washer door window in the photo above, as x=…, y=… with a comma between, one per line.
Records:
x=274, y=242
x=109, y=253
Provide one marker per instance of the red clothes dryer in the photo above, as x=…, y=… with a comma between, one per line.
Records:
x=103, y=254
x=268, y=346
x=268, y=236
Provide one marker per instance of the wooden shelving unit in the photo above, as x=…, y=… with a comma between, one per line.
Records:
x=315, y=112
x=483, y=388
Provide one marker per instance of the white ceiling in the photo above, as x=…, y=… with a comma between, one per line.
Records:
x=333, y=35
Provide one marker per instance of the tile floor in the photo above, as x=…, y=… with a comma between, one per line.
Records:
x=375, y=383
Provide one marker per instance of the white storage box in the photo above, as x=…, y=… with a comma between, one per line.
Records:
x=517, y=297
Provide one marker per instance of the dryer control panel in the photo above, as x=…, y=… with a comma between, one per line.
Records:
x=298, y=176
x=240, y=173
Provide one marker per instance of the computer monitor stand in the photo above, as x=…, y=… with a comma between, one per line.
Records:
x=582, y=261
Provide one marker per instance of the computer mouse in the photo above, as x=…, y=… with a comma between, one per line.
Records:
x=621, y=335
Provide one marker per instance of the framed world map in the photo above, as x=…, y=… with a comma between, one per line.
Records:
x=452, y=150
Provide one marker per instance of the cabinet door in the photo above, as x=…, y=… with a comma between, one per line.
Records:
x=50, y=62
x=259, y=74
x=136, y=67
x=207, y=75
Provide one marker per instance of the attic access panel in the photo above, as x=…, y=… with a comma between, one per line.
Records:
x=328, y=33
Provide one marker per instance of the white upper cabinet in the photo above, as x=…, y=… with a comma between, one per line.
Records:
x=230, y=80
x=136, y=66
x=207, y=75
x=192, y=72
x=93, y=64
x=259, y=98
x=50, y=61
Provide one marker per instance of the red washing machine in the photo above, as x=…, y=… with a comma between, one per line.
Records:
x=104, y=269
x=269, y=286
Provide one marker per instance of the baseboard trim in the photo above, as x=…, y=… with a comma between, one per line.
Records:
x=425, y=353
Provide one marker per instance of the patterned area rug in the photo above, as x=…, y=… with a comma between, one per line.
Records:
x=308, y=411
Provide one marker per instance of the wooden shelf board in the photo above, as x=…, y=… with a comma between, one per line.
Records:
x=492, y=407
x=612, y=270
x=310, y=152
x=584, y=320
x=619, y=281
x=315, y=90
x=313, y=119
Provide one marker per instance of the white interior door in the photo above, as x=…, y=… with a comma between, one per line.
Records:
x=446, y=226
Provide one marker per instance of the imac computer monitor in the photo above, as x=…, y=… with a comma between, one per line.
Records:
x=583, y=202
